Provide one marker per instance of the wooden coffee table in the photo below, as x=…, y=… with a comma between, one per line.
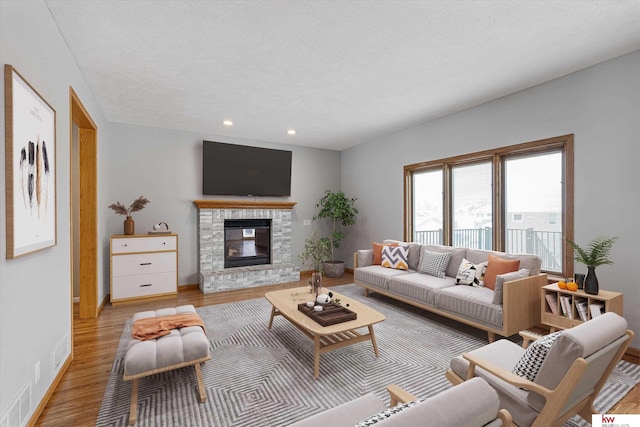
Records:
x=325, y=338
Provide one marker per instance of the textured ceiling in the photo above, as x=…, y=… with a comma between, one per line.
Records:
x=339, y=72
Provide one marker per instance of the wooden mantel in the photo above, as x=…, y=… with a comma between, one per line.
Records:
x=242, y=204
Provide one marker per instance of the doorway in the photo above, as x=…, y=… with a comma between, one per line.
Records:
x=84, y=229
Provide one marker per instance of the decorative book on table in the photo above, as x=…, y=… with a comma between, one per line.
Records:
x=596, y=309
x=565, y=302
x=553, y=303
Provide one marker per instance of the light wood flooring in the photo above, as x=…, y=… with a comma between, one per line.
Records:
x=77, y=398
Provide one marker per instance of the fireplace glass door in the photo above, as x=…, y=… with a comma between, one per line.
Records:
x=247, y=242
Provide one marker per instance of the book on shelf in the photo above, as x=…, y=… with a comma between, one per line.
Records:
x=596, y=309
x=583, y=309
x=553, y=303
x=565, y=302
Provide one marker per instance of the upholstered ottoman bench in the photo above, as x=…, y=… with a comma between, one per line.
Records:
x=163, y=340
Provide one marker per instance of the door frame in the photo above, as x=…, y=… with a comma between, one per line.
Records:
x=87, y=199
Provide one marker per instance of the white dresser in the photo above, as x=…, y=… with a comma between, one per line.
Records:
x=143, y=266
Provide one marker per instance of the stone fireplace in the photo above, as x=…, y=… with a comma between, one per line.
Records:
x=220, y=218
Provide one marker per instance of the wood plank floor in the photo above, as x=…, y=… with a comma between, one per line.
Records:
x=76, y=401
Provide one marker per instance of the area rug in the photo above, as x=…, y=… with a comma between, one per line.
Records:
x=261, y=377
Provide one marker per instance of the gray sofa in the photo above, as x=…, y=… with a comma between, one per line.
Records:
x=473, y=403
x=512, y=306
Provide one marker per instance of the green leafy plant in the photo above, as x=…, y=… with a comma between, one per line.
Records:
x=595, y=253
x=316, y=251
x=137, y=205
x=339, y=209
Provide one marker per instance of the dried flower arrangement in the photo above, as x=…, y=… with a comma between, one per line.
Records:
x=137, y=205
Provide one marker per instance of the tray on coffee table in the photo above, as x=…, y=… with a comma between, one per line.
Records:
x=331, y=314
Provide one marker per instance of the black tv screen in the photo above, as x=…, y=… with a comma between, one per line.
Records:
x=239, y=170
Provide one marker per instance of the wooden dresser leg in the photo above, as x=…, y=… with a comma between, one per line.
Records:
x=133, y=409
x=201, y=392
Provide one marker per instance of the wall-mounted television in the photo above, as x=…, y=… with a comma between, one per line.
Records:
x=240, y=170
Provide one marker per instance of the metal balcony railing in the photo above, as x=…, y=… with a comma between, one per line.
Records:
x=545, y=244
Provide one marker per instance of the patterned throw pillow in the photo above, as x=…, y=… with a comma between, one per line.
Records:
x=531, y=361
x=395, y=257
x=434, y=263
x=470, y=273
x=381, y=416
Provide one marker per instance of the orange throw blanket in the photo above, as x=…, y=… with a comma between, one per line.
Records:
x=156, y=327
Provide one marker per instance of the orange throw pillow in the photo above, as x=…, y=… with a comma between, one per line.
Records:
x=497, y=266
x=377, y=251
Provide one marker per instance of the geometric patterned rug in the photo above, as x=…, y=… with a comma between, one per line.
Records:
x=258, y=377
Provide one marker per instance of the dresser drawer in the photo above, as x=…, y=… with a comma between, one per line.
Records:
x=142, y=285
x=144, y=244
x=144, y=263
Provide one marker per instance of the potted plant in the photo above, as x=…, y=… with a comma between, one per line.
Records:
x=596, y=253
x=316, y=251
x=340, y=210
x=137, y=205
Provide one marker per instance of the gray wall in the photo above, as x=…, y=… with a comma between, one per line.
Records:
x=36, y=289
x=166, y=167
x=599, y=105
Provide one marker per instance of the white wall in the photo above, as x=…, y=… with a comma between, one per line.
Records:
x=35, y=289
x=166, y=167
x=599, y=105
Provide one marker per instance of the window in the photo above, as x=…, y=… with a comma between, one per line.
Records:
x=471, y=205
x=516, y=199
x=427, y=207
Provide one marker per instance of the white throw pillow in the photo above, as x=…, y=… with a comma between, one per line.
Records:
x=470, y=273
x=434, y=264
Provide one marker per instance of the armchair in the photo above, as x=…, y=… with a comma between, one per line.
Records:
x=558, y=376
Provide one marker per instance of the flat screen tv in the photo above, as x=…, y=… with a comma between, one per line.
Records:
x=240, y=170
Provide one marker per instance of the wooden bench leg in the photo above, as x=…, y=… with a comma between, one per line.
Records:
x=201, y=392
x=133, y=409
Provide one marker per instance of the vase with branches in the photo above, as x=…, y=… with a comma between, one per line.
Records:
x=316, y=251
x=594, y=254
x=120, y=209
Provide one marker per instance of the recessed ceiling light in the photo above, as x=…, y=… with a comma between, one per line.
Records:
x=291, y=131
x=227, y=123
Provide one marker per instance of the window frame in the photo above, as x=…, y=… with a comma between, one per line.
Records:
x=497, y=157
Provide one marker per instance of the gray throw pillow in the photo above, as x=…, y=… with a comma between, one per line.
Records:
x=434, y=264
x=506, y=277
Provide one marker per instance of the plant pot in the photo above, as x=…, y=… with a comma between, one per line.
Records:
x=129, y=226
x=333, y=269
x=591, y=281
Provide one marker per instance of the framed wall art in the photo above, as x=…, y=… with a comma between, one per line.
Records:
x=30, y=167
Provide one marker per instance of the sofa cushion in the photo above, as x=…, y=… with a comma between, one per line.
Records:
x=377, y=276
x=348, y=413
x=395, y=257
x=532, y=359
x=377, y=251
x=507, y=277
x=531, y=262
x=470, y=273
x=497, y=266
x=433, y=263
x=457, y=254
x=421, y=288
x=471, y=303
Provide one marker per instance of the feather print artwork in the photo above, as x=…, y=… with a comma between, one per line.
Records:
x=23, y=174
x=38, y=178
x=45, y=162
x=31, y=182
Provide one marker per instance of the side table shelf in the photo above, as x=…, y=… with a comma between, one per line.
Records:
x=574, y=307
